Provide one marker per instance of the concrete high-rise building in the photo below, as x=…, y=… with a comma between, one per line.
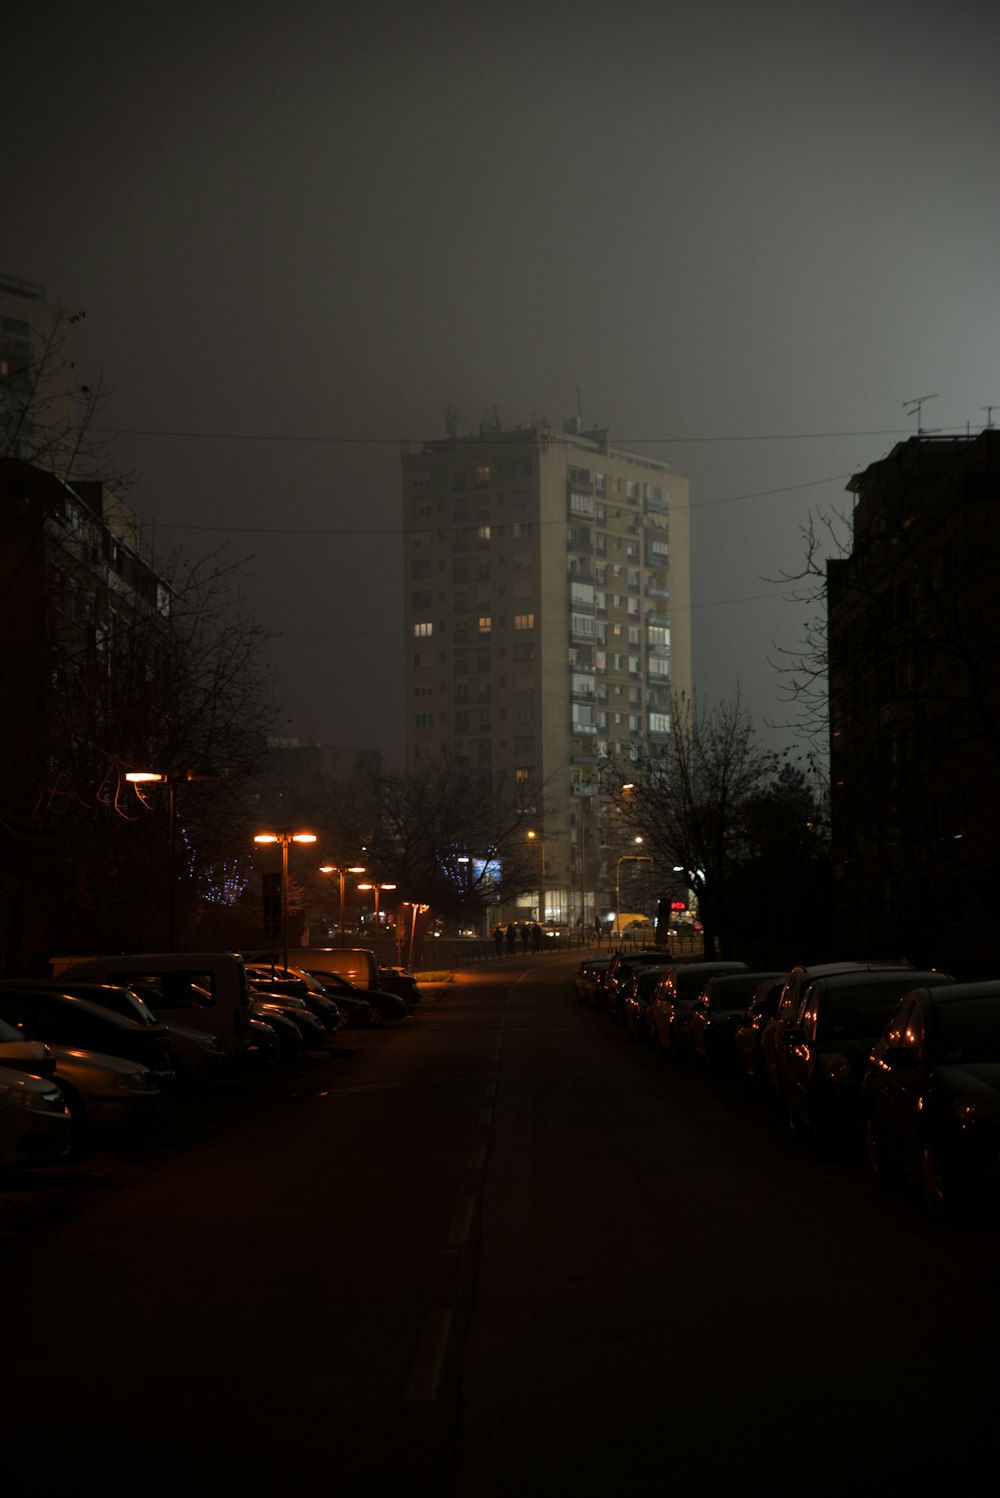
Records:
x=547, y=618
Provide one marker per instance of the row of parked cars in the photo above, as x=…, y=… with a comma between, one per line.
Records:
x=902, y=1062
x=95, y=1050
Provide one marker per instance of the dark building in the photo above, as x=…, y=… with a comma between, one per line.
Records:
x=914, y=686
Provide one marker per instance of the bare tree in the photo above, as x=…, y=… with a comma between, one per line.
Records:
x=688, y=801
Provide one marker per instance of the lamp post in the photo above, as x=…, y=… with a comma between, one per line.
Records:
x=170, y=780
x=377, y=888
x=284, y=838
x=415, y=910
x=334, y=868
x=625, y=858
x=532, y=837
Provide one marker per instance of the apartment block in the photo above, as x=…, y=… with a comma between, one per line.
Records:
x=547, y=617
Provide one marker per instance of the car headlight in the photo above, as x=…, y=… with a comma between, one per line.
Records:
x=134, y=1081
x=43, y=1102
x=974, y=1109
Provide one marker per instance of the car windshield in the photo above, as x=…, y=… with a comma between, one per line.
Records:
x=968, y=1031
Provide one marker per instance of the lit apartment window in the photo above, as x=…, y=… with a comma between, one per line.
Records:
x=423, y=629
x=524, y=621
x=485, y=624
x=583, y=504
x=522, y=775
x=659, y=722
x=484, y=533
x=483, y=476
x=658, y=634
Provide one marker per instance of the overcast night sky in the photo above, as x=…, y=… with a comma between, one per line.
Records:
x=749, y=232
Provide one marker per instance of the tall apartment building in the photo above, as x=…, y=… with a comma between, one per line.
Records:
x=547, y=615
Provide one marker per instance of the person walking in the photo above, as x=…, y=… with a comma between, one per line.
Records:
x=525, y=936
x=536, y=937
x=512, y=937
x=498, y=937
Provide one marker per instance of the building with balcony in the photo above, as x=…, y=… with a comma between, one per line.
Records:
x=914, y=688
x=547, y=617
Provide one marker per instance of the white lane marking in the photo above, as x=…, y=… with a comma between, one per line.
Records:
x=428, y=1362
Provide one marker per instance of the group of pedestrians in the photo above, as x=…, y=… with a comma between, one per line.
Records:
x=529, y=932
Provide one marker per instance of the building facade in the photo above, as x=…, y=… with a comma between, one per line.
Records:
x=547, y=617
x=914, y=687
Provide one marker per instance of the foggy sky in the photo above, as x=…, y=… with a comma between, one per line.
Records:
x=729, y=228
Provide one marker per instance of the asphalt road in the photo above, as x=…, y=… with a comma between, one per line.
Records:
x=496, y=1249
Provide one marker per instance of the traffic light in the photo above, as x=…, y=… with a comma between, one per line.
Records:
x=272, y=906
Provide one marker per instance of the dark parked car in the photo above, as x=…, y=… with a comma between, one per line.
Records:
x=624, y=966
x=388, y=1005
x=674, y=1000
x=931, y=1096
x=787, y=1012
x=62, y=1019
x=638, y=997
x=749, y=1033
x=286, y=983
x=588, y=976
x=718, y=1012
x=839, y=1024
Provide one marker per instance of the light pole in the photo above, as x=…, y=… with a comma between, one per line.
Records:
x=333, y=868
x=376, y=888
x=415, y=910
x=170, y=780
x=284, y=838
x=532, y=837
x=625, y=858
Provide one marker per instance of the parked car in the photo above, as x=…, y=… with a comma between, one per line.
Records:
x=207, y=990
x=786, y=1013
x=352, y=1002
x=749, y=1033
x=285, y=1036
x=620, y=973
x=671, y=1007
x=197, y=1055
x=285, y=982
x=931, y=1096
x=293, y=1009
x=638, y=997
x=62, y=1019
x=388, y=1005
x=840, y=1022
x=587, y=977
x=35, y=1124
x=718, y=1012
x=398, y=981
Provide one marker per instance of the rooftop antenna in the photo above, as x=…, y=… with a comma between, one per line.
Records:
x=989, y=416
x=917, y=405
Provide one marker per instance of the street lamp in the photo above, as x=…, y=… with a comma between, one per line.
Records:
x=284, y=838
x=334, y=868
x=376, y=888
x=170, y=779
x=415, y=910
x=625, y=858
x=532, y=836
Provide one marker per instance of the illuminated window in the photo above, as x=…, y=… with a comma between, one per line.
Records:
x=485, y=624
x=524, y=621
x=423, y=629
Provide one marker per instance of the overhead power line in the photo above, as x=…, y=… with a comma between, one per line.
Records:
x=338, y=530
x=312, y=438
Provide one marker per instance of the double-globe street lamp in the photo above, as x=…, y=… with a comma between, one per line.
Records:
x=343, y=871
x=284, y=838
x=377, y=888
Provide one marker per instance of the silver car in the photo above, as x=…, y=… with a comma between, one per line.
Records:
x=35, y=1125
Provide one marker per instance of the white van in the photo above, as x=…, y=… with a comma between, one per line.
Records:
x=356, y=964
x=207, y=990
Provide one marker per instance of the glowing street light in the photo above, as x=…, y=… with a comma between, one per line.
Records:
x=284, y=838
x=170, y=780
x=377, y=888
x=532, y=836
x=335, y=868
